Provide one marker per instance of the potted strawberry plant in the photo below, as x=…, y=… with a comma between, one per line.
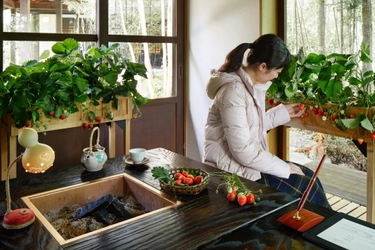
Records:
x=333, y=88
x=69, y=82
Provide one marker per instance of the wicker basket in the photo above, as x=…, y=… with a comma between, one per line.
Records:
x=185, y=190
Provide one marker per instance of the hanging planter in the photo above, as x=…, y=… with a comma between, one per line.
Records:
x=69, y=84
x=339, y=97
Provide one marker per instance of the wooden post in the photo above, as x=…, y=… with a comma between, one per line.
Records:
x=370, y=201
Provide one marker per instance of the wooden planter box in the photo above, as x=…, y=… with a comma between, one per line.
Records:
x=77, y=119
x=315, y=123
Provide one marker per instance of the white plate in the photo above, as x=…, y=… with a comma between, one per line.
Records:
x=130, y=161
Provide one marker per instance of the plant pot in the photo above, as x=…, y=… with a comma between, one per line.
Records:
x=325, y=123
x=94, y=157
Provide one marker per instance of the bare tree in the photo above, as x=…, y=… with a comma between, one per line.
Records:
x=341, y=27
x=367, y=29
x=321, y=26
x=147, y=62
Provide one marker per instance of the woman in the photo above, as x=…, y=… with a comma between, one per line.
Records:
x=237, y=123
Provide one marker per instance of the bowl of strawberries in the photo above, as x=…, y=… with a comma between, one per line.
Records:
x=181, y=181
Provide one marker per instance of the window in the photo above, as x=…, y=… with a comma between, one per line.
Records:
x=328, y=26
x=145, y=29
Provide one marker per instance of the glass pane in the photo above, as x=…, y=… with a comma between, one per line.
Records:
x=158, y=59
x=18, y=52
x=331, y=26
x=72, y=16
x=147, y=17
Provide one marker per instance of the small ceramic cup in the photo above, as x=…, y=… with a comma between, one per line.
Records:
x=137, y=154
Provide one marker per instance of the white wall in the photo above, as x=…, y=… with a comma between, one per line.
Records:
x=215, y=27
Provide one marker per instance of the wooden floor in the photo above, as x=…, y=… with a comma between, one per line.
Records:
x=345, y=206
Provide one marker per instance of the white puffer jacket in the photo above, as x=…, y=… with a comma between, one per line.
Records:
x=237, y=124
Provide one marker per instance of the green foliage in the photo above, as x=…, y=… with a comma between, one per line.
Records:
x=55, y=86
x=317, y=80
x=161, y=173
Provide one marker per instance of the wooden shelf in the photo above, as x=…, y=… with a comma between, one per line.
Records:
x=9, y=133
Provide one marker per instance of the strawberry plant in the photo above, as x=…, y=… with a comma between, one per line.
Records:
x=316, y=80
x=54, y=86
x=236, y=189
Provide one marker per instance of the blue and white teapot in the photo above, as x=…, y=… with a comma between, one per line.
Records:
x=94, y=157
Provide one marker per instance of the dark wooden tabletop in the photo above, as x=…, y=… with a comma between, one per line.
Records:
x=204, y=221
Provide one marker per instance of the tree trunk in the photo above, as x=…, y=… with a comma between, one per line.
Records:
x=367, y=29
x=342, y=27
x=321, y=26
x=146, y=50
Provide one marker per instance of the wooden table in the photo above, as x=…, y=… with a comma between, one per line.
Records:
x=199, y=222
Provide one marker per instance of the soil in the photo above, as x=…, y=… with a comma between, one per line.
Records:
x=68, y=226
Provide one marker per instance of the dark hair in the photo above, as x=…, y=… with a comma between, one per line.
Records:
x=268, y=48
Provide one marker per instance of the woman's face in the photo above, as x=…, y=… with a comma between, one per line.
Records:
x=264, y=75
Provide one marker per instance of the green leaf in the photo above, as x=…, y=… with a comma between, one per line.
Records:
x=59, y=48
x=111, y=78
x=82, y=85
x=333, y=89
x=70, y=44
x=350, y=123
x=20, y=101
x=366, y=124
x=289, y=92
x=44, y=55
x=365, y=53
x=160, y=173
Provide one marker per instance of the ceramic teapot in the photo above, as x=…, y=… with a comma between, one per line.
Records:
x=94, y=157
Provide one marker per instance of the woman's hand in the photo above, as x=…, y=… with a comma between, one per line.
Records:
x=294, y=110
x=294, y=169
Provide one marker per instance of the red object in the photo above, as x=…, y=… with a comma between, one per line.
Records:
x=302, y=219
x=18, y=218
x=250, y=198
x=232, y=196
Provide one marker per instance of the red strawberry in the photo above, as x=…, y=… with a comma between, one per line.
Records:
x=301, y=106
x=241, y=199
x=182, y=177
x=334, y=116
x=52, y=113
x=62, y=117
x=98, y=119
x=360, y=140
x=190, y=176
x=197, y=179
x=177, y=182
x=250, y=198
x=352, y=116
x=188, y=181
x=85, y=126
x=177, y=176
x=372, y=136
x=185, y=173
x=271, y=101
x=231, y=196
x=91, y=126
x=27, y=124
